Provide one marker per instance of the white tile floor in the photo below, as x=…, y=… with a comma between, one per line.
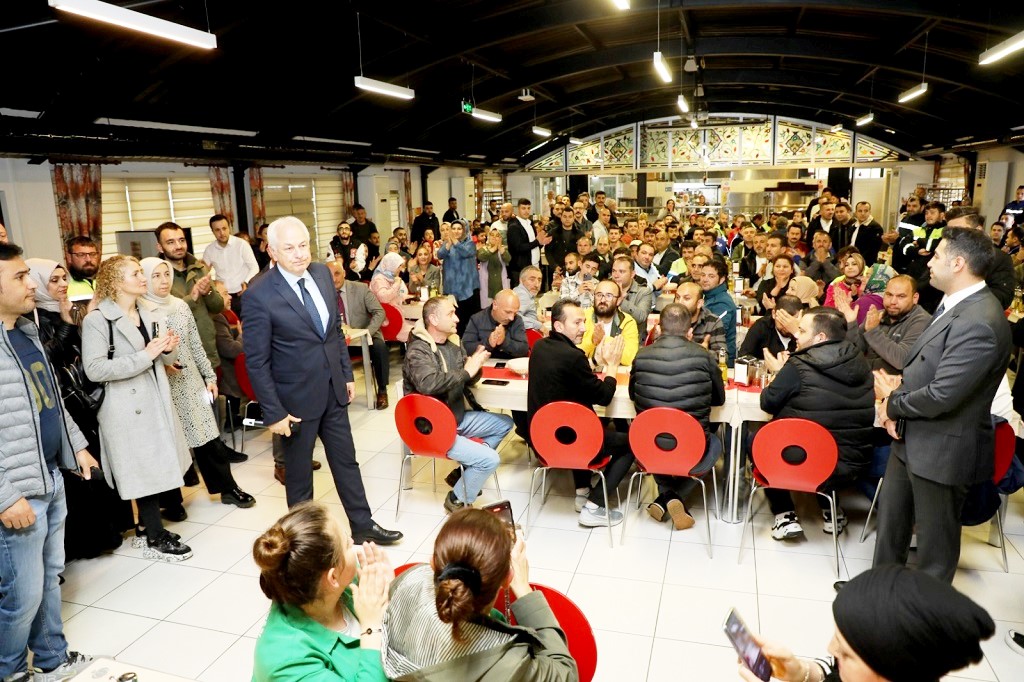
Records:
x=656, y=603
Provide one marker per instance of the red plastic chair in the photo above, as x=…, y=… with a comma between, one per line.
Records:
x=533, y=336
x=427, y=428
x=405, y=567
x=579, y=453
x=651, y=338
x=772, y=471
x=683, y=460
x=393, y=322
x=230, y=316
x=1006, y=443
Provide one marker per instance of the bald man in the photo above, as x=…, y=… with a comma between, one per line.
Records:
x=499, y=329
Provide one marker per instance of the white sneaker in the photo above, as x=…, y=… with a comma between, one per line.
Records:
x=1015, y=640
x=840, y=518
x=787, y=526
x=593, y=518
x=74, y=664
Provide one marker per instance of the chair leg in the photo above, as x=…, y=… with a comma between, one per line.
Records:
x=629, y=493
x=231, y=421
x=835, y=534
x=707, y=515
x=401, y=477
x=746, y=518
x=718, y=505
x=544, y=488
x=1002, y=539
x=607, y=511
x=465, y=486
x=874, y=501
x=433, y=472
x=533, y=487
x=496, y=484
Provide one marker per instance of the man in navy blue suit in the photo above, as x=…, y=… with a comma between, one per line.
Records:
x=300, y=371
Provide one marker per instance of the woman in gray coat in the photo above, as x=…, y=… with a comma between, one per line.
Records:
x=140, y=434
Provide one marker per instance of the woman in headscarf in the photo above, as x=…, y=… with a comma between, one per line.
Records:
x=495, y=257
x=53, y=315
x=862, y=285
x=461, y=279
x=893, y=624
x=193, y=387
x=806, y=289
x=387, y=285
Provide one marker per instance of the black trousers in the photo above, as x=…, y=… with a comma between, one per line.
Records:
x=214, y=466
x=335, y=433
x=906, y=500
x=617, y=446
x=465, y=309
x=380, y=360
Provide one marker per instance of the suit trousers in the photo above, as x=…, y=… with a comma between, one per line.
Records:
x=907, y=499
x=335, y=433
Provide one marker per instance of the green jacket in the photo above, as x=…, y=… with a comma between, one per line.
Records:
x=494, y=262
x=211, y=304
x=293, y=647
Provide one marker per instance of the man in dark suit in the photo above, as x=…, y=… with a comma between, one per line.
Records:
x=866, y=233
x=301, y=373
x=523, y=241
x=940, y=417
x=360, y=309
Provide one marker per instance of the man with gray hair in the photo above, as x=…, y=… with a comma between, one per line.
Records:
x=529, y=286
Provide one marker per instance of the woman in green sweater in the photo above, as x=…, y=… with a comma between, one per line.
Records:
x=323, y=626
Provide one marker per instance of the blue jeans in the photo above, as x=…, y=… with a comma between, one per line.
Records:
x=30, y=560
x=479, y=460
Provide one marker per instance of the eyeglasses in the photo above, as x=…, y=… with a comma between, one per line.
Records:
x=605, y=296
x=85, y=254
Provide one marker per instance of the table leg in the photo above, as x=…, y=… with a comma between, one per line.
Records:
x=367, y=372
x=733, y=485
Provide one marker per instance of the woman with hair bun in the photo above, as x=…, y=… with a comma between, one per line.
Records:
x=322, y=626
x=441, y=623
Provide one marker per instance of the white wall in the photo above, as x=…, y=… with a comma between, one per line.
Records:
x=29, y=209
x=365, y=188
x=914, y=174
x=522, y=185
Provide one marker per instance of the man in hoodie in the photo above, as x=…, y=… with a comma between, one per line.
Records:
x=437, y=365
x=828, y=381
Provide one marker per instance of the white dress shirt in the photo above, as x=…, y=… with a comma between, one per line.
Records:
x=235, y=264
x=312, y=288
x=950, y=301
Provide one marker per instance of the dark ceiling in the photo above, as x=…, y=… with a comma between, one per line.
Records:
x=286, y=69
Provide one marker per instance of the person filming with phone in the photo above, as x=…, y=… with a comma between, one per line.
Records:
x=437, y=365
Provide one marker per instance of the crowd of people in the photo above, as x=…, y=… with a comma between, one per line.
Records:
x=892, y=339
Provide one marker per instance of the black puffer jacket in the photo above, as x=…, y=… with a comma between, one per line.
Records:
x=676, y=372
x=831, y=384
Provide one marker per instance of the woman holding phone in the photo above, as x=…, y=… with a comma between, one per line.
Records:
x=193, y=387
x=144, y=449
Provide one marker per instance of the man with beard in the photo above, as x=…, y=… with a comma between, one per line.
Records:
x=904, y=234
x=635, y=297
x=664, y=255
x=564, y=235
x=770, y=333
x=824, y=221
x=604, y=324
x=887, y=336
x=579, y=283
x=705, y=327
x=83, y=260
x=647, y=270
x=866, y=233
x=423, y=222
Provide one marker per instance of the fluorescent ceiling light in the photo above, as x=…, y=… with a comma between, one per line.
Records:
x=662, y=67
x=965, y=138
x=926, y=146
x=621, y=4
x=683, y=106
x=837, y=128
x=178, y=127
x=890, y=131
x=421, y=151
x=699, y=92
x=485, y=115
x=1013, y=128
x=865, y=119
x=1008, y=46
x=20, y=113
x=536, y=147
x=575, y=140
x=475, y=156
x=691, y=65
x=913, y=92
x=137, y=21
x=327, y=140
x=510, y=159
x=384, y=88
x=543, y=132
x=526, y=96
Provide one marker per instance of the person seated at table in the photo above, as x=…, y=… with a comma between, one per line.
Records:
x=636, y=298
x=579, y=280
x=442, y=624
x=360, y=309
x=892, y=624
x=423, y=273
x=768, y=333
x=820, y=264
x=565, y=374
x=606, y=322
x=705, y=327
x=323, y=623
x=590, y=275
x=887, y=334
x=714, y=281
x=437, y=365
x=783, y=271
x=499, y=329
x=530, y=278
x=828, y=381
x=676, y=372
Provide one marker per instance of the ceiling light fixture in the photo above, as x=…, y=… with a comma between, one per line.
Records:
x=913, y=92
x=543, y=132
x=691, y=64
x=699, y=91
x=137, y=21
x=575, y=140
x=621, y=4
x=485, y=115
x=865, y=119
x=177, y=127
x=526, y=96
x=660, y=66
x=475, y=156
x=890, y=131
x=1008, y=46
x=327, y=140
x=693, y=123
x=683, y=106
x=536, y=147
x=510, y=159
x=373, y=85
x=421, y=151
x=837, y=128
x=20, y=113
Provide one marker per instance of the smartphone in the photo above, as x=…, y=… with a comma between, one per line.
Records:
x=750, y=653
x=495, y=382
x=500, y=365
x=156, y=329
x=503, y=510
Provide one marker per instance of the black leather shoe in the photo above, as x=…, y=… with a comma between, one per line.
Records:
x=453, y=477
x=838, y=585
x=174, y=513
x=377, y=534
x=191, y=477
x=234, y=456
x=237, y=497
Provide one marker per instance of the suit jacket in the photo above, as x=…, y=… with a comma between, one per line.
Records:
x=521, y=248
x=670, y=257
x=869, y=241
x=949, y=380
x=362, y=309
x=293, y=370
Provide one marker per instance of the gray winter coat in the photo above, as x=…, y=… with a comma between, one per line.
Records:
x=22, y=467
x=437, y=370
x=144, y=451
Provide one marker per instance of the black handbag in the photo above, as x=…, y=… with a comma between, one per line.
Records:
x=78, y=386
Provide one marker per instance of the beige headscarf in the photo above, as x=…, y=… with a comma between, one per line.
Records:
x=41, y=269
x=806, y=289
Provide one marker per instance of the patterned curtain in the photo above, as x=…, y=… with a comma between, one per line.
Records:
x=478, y=183
x=407, y=185
x=220, y=187
x=259, y=207
x=76, y=193
x=348, y=193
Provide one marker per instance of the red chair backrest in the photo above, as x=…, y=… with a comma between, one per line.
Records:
x=230, y=316
x=817, y=442
x=242, y=376
x=425, y=424
x=1006, y=444
x=650, y=338
x=405, y=567
x=532, y=337
x=691, y=442
x=562, y=415
x=392, y=325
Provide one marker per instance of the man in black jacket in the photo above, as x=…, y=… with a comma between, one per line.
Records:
x=560, y=371
x=828, y=381
x=866, y=233
x=768, y=334
x=676, y=372
x=523, y=241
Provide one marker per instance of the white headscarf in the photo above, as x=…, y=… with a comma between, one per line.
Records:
x=41, y=270
x=149, y=266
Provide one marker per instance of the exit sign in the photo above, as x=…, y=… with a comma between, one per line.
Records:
x=467, y=107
